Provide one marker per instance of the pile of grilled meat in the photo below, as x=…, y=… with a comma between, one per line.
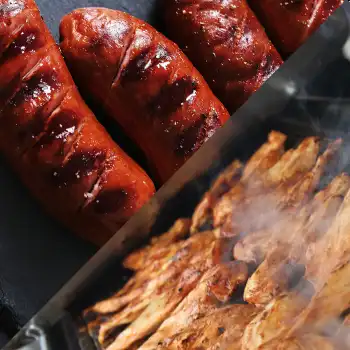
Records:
x=262, y=264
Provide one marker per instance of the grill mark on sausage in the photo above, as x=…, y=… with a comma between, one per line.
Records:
x=135, y=67
x=173, y=96
x=138, y=68
x=107, y=201
x=31, y=133
x=111, y=201
x=28, y=40
x=62, y=129
x=78, y=166
x=192, y=138
x=10, y=90
x=124, y=57
x=39, y=86
x=6, y=41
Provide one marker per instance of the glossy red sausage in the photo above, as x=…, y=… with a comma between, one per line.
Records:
x=144, y=82
x=226, y=42
x=289, y=23
x=53, y=141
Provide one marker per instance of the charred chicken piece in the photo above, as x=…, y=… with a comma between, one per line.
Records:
x=266, y=157
x=284, y=263
x=170, y=278
x=214, y=289
x=280, y=207
x=307, y=341
x=328, y=303
x=221, y=329
x=333, y=247
x=203, y=216
x=277, y=318
x=160, y=246
x=250, y=199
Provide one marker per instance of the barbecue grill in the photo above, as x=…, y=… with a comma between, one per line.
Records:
x=309, y=95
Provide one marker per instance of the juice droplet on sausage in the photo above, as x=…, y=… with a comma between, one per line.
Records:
x=63, y=125
x=138, y=68
x=192, y=138
x=81, y=164
x=27, y=41
x=173, y=96
x=112, y=201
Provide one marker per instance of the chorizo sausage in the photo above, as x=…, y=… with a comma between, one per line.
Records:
x=226, y=42
x=144, y=82
x=289, y=23
x=53, y=141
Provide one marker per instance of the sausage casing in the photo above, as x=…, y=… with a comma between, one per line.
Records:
x=144, y=82
x=289, y=23
x=226, y=42
x=53, y=141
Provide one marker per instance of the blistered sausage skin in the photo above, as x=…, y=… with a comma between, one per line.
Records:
x=53, y=141
x=227, y=44
x=144, y=82
x=289, y=23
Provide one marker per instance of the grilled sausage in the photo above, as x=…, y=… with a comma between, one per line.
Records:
x=226, y=42
x=53, y=141
x=144, y=82
x=289, y=23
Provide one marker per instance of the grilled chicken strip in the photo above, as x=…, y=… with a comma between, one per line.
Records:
x=334, y=247
x=232, y=212
x=304, y=342
x=157, y=290
x=203, y=215
x=276, y=273
x=328, y=304
x=278, y=317
x=157, y=278
x=215, y=288
x=221, y=329
x=160, y=246
x=266, y=157
x=280, y=207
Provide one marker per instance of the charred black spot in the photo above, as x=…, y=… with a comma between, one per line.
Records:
x=269, y=66
x=79, y=165
x=192, y=138
x=138, y=68
x=63, y=125
x=40, y=86
x=134, y=71
x=112, y=201
x=27, y=41
x=221, y=330
x=113, y=333
x=173, y=96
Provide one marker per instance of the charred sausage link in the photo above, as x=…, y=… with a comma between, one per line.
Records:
x=226, y=42
x=53, y=141
x=289, y=23
x=144, y=82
